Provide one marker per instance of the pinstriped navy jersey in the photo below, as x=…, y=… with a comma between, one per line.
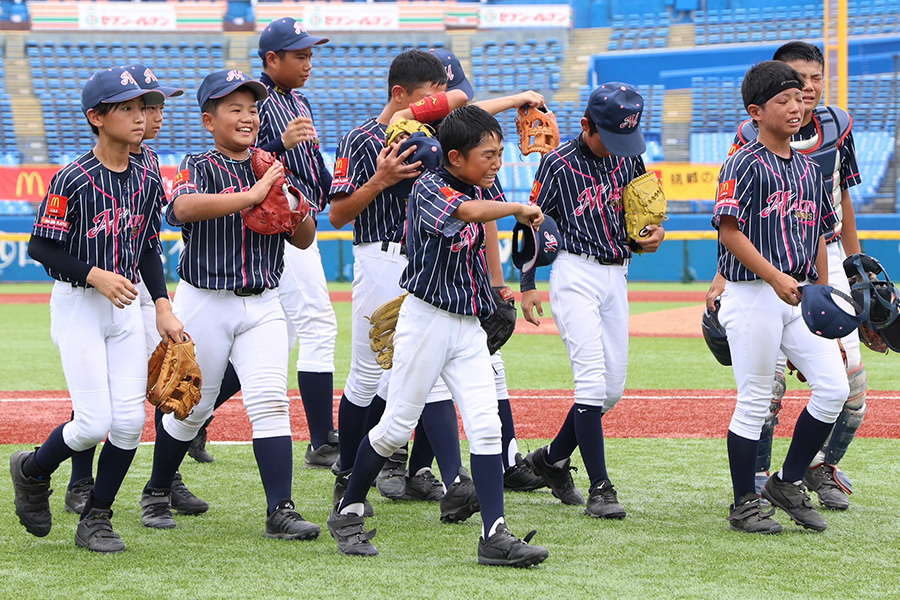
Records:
x=149, y=159
x=304, y=160
x=221, y=253
x=384, y=219
x=447, y=265
x=495, y=192
x=102, y=218
x=781, y=205
x=583, y=194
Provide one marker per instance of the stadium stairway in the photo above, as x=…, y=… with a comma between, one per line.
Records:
x=238, y=52
x=461, y=46
x=26, y=108
x=582, y=44
x=681, y=35
x=676, y=125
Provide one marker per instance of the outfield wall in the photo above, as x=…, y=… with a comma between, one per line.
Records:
x=689, y=252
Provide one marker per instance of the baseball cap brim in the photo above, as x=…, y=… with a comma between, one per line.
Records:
x=465, y=86
x=151, y=97
x=623, y=144
x=170, y=92
x=306, y=42
x=259, y=90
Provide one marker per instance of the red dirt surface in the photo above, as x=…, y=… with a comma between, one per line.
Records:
x=28, y=417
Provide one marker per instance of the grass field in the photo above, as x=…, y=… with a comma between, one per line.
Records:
x=674, y=544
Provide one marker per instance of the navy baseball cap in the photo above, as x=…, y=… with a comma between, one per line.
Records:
x=222, y=83
x=148, y=81
x=824, y=316
x=456, y=77
x=539, y=246
x=428, y=150
x=109, y=86
x=616, y=108
x=285, y=34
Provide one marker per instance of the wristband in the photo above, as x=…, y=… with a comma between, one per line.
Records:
x=431, y=108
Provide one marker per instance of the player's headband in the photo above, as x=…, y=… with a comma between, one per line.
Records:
x=774, y=90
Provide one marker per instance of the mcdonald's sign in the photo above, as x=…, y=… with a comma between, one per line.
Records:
x=31, y=181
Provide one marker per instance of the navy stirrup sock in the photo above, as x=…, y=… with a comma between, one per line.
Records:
x=507, y=432
x=565, y=442
x=421, y=454
x=367, y=465
x=49, y=456
x=274, y=456
x=352, y=422
x=589, y=433
x=742, y=461
x=167, y=456
x=112, y=467
x=439, y=420
x=809, y=435
x=230, y=386
x=82, y=465
x=487, y=473
x=317, y=394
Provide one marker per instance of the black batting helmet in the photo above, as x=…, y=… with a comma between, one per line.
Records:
x=872, y=288
x=715, y=337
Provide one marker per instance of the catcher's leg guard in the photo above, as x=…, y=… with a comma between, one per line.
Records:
x=764, y=451
x=850, y=419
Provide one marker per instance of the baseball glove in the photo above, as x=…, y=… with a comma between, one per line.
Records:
x=405, y=127
x=283, y=208
x=645, y=204
x=381, y=334
x=537, y=128
x=173, y=378
x=500, y=325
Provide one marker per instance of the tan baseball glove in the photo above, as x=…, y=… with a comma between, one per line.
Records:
x=405, y=127
x=645, y=204
x=537, y=129
x=173, y=378
x=283, y=208
x=381, y=334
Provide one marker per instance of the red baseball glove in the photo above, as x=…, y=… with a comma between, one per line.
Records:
x=283, y=208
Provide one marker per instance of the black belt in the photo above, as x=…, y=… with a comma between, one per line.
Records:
x=386, y=245
x=244, y=292
x=609, y=261
x=799, y=277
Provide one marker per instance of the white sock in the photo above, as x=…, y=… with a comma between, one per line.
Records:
x=818, y=460
x=423, y=470
x=561, y=463
x=494, y=527
x=356, y=508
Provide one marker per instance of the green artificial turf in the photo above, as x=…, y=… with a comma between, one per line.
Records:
x=675, y=542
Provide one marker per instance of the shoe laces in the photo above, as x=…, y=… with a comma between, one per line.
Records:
x=607, y=493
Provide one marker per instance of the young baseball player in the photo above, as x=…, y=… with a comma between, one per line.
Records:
x=95, y=234
x=228, y=299
x=772, y=211
x=144, y=157
x=580, y=185
x=438, y=333
x=825, y=137
x=361, y=192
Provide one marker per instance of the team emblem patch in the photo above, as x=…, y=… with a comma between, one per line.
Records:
x=182, y=177
x=340, y=167
x=726, y=189
x=631, y=121
x=56, y=206
x=550, y=242
x=734, y=148
x=127, y=79
x=149, y=77
x=450, y=193
x=235, y=75
x=535, y=191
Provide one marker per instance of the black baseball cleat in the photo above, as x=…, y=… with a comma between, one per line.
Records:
x=520, y=478
x=747, y=515
x=424, y=486
x=156, y=510
x=95, y=533
x=821, y=480
x=32, y=496
x=340, y=488
x=558, y=479
x=603, y=502
x=184, y=502
x=197, y=450
x=391, y=480
x=325, y=455
x=461, y=500
x=77, y=495
x=503, y=549
x=793, y=499
x=287, y=524
x=349, y=531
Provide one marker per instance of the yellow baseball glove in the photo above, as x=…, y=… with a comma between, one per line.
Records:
x=381, y=334
x=645, y=204
x=405, y=127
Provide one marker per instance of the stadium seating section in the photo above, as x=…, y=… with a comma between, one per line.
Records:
x=9, y=153
x=639, y=32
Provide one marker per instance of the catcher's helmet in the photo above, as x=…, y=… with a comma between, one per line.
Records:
x=872, y=288
x=714, y=335
x=538, y=248
x=428, y=150
x=824, y=316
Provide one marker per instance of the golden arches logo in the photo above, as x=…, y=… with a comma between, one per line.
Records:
x=31, y=181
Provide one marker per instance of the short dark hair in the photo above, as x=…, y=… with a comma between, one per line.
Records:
x=592, y=127
x=799, y=51
x=101, y=109
x=465, y=128
x=763, y=77
x=413, y=69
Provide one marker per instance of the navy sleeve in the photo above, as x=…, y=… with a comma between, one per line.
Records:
x=152, y=274
x=53, y=255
